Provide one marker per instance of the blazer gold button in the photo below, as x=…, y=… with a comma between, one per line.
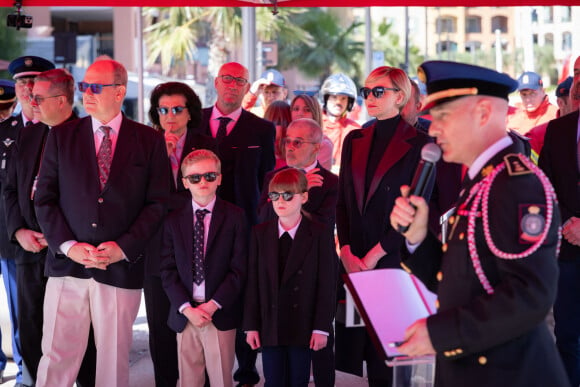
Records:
x=94, y=225
x=100, y=200
x=439, y=276
x=444, y=248
x=437, y=304
x=451, y=220
x=459, y=351
x=482, y=360
x=461, y=236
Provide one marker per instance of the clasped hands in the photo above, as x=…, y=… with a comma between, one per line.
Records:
x=99, y=257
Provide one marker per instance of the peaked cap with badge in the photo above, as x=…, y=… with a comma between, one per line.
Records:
x=29, y=66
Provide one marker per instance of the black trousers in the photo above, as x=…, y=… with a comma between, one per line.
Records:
x=162, y=339
x=323, y=367
x=31, y=285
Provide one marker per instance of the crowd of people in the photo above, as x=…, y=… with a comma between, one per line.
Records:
x=238, y=223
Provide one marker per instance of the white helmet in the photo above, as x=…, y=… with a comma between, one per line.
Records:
x=339, y=84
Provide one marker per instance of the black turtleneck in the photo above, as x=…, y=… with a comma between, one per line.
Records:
x=383, y=133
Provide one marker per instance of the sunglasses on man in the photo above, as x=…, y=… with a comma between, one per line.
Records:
x=377, y=91
x=196, y=177
x=96, y=88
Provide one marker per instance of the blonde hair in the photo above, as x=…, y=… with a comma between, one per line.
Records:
x=398, y=77
x=200, y=155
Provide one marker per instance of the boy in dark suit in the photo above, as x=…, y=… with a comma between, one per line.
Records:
x=290, y=296
x=203, y=270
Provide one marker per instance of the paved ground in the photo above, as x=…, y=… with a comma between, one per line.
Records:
x=142, y=368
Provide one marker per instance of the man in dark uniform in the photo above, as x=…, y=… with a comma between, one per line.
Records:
x=496, y=275
x=23, y=69
x=51, y=101
x=8, y=134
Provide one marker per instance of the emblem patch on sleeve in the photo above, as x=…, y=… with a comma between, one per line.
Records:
x=515, y=166
x=532, y=221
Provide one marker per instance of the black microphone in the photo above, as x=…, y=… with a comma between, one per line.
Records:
x=430, y=154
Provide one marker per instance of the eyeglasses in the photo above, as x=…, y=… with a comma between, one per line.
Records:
x=196, y=177
x=175, y=110
x=39, y=100
x=230, y=79
x=378, y=91
x=296, y=142
x=96, y=88
x=274, y=196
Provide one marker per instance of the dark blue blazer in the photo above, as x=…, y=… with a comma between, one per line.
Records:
x=558, y=160
x=247, y=154
x=71, y=206
x=225, y=263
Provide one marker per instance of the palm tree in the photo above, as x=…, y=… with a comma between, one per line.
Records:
x=173, y=35
x=327, y=49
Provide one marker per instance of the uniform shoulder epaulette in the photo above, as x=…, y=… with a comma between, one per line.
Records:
x=515, y=165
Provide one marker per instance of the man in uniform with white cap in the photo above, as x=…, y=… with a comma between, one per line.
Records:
x=496, y=274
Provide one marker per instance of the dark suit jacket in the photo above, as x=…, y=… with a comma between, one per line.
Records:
x=179, y=196
x=225, y=263
x=247, y=154
x=362, y=224
x=286, y=310
x=9, y=132
x=505, y=329
x=70, y=205
x=558, y=159
x=321, y=204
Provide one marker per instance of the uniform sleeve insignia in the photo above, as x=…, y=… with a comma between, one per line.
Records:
x=14, y=123
x=515, y=166
x=532, y=222
x=8, y=141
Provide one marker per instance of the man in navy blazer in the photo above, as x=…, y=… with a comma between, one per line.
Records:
x=101, y=196
x=559, y=160
x=246, y=150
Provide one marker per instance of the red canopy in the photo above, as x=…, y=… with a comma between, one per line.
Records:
x=287, y=3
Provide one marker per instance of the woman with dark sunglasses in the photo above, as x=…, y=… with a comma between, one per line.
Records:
x=375, y=162
x=176, y=110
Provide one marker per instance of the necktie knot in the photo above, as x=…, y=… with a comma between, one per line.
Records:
x=222, y=129
x=200, y=214
x=106, y=131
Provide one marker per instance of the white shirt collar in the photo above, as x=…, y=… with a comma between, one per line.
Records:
x=487, y=154
x=292, y=231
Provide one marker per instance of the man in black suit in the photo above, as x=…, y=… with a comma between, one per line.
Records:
x=24, y=70
x=101, y=196
x=302, y=144
x=51, y=100
x=499, y=255
x=559, y=160
x=246, y=150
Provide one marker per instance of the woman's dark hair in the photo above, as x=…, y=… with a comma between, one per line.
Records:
x=192, y=102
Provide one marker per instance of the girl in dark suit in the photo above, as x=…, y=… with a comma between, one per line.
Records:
x=290, y=298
